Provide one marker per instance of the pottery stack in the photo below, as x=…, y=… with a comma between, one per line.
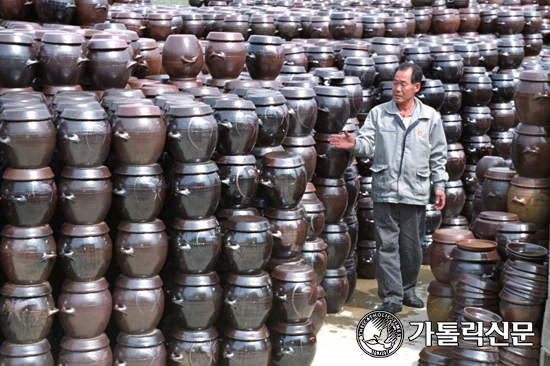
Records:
x=28, y=250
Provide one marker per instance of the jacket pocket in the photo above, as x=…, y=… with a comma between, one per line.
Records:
x=423, y=186
x=379, y=177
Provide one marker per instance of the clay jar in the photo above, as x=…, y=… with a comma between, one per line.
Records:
x=485, y=226
x=476, y=120
x=319, y=27
x=373, y=26
x=289, y=231
x=288, y=26
x=26, y=312
x=418, y=55
x=315, y=213
x=141, y=248
x=238, y=126
x=196, y=300
x=27, y=255
x=85, y=251
x=338, y=241
x=333, y=107
x=476, y=147
x=85, y=195
x=320, y=311
x=264, y=57
x=138, y=304
x=16, y=10
x=476, y=90
x=510, y=54
x=61, y=58
x=504, y=116
x=445, y=21
x=196, y=189
x=240, y=179
x=298, y=337
x=432, y=93
x=111, y=52
x=151, y=61
x=302, y=110
x=236, y=23
x=447, y=68
x=336, y=287
x=531, y=94
x=182, y=56
x=361, y=67
x=81, y=352
x=366, y=259
x=452, y=124
x=198, y=346
x=529, y=199
x=456, y=161
x=29, y=197
x=510, y=22
x=514, y=232
x=488, y=55
x=159, y=26
x=294, y=293
x=139, y=192
x=91, y=12
x=365, y=218
x=385, y=67
x=530, y=151
x=140, y=350
x=18, y=60
x=381, y=46
x=305, y=147
x=319, y=57
x=245, y=347
x=135, y=126
x=247, y=300
x=331, y=161
x=473, y=256
x=342, y=25
x=444, y=241
x=273, y=114
x=315, y=254
x=283, y=179
x=456, y=197
x=494, y=192
x=27, y=354
x=225, y=54
x=334, y=196
x=295, y=56
x=439, y=303
x=84, y=308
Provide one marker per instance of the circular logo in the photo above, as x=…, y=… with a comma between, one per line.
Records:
x=380, y=334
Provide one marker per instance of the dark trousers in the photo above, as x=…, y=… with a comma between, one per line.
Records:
x=399, y=231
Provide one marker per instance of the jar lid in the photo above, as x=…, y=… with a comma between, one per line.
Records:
x=236, y=18
x=288, y=18
x=453, y=184
x=498, y=216
x=387, y=59
x=225, y=213
x=155, y=226
x=339, y=272
x=27, y=175
x=315, y=245
x=440, y=289
x=247, y=335
x=436, y=355
x=81, y=231
x=510, y=13
x=386, y=41
x=476, y=139
x=147, y=44
x=115, y=105
x=530, y=130
x=339, y=227
x=465, y=47
x=359, y=61
x=447, y=57
x=451, y=118
x=501, y=173
x=293, y=273
x=26, y=291
x=195, y=225
x=106, y=43
x=128, y=15
x=331, y=91
x=282, y=159
x=10, y=231
x=128, y=93
x=196, y=16
x=25, y=114
x=535, y=75
x=239, y=104
x=63, y=38
x=476, y=245
x=328, y=182
x=517, y=227
x=487, y=46
x=85, y=287
x=529, y=267
x=248, y=223
x=494, y=106
x=264, y=97
x=367, y=244
x=475, y=79
x=85, y=345
x=137, y=110
x=194, y=336
x=15, y=38
x=292, y=329
x=211, y=99
x=531, y=182
x=432, y=83
x=455, y=221
x=408, y=50
x=195, y=168
x=488, y=12
x=475, y=110
x=255, y=280
x=146, y=340
x=292, y=92
x=451, y=236
x=207, y=279
x=297, y=213
x=25, y=350
x=159, y=16
x=191, y=109
x=138, y=170
x=101, y=172
x=366, y=203
x=259, y=39
x=84, y=115
x=465, y=255
x=299, y=141
x=130, y=283
x=457, y=146
x=503, y=77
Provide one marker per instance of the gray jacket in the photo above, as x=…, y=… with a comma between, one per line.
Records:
x=405, y=160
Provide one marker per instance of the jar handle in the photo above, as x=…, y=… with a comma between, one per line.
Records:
x=176, y=357
x=52, y=311
x=67, y=196
x=177, y=301
x=173, y=29
x=266, y=182
x=67, y=254
x=288, y=351
x=30, y=63
x=232, y=246
x=27, y=3
x=122, y=135
x=220, y=55
x=189, y=61
x=225, y=124
x=127, y=251
x=119, y=363
x=324, y=109
x=101, y=8
x=21, y=199
x=183, y=245
x=322, y=156
x=72, y=137
x=143, y=65
x=120, y=308
x=131, y=64
x=5, y=140
x=277, y=234
x=438, y=68
x=226, y=181
x=282, y=297
x=119, y=191
x=80, y=61
x=174, y=135
x=230, y=302
x=47, y=256
x=421, y=96
x=229, y=355
x=183, y=192
x=520, y=200
x=67, y=310
x=531, y=150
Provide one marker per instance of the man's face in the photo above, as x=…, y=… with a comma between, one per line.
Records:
x=403, y=90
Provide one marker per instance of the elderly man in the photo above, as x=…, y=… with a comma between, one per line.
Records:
x=407, y=142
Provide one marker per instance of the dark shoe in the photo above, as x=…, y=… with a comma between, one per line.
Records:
x=413, y=301
x=390, y=307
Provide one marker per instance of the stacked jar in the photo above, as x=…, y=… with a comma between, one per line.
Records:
x=182, y=59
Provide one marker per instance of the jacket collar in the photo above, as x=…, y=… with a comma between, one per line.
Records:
x=391, y=108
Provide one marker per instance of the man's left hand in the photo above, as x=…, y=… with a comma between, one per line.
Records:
x=439, y=199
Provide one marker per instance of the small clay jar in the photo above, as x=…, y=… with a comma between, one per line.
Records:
x=294, y=293
x=305, y=147
x=27, y=354
x=288, y=27
x=239, y=178
x=18, y=61
x=238, y=126
x=456, y=196
x=510, y=22
x=182, y=57
x=141, y=248
x=385, y=67
x=486, y=224
x=82, y=352
x=132, y=21
x=530, y=148
x=84, y=308
x=248, y=300
x=434, y=219
x=115, y=53
x=26, y=312
x=283, y=179
x=476, y=120
x=489, y=18
x=27, y=138
x=476, y=147
x=418, y=55
x=236, y=23
x=510, y=54
x=295, y=56
x=315, y=254
x=200, y=346
x=196, y=189
x=85, y=251
x=140, y=349
x=528, y=198
x=373, y=26
x=338, y=241
x=315, y=216
x=332, y=162
x=447, y=68
x=29, y=196
x=456, y=161
x=196, y=300
x=319, y=27
x=289, y=231
x=245, y=347
x=452, y=124
x=431, y=93
x=225, y=54
x=191, y=23
x=504, y=116
x=319, y=56
x=488, y=55
x=273, y=114
x=135, y=126
x=302, y=109
x=298, y=337
x=61, y=58
x=336, y=287
x=494, y=192
x=381, y=46
x=476, y=90
x=139, y=192
x=264, y=57
x=159, y=26
x=342, y=25
x=91, y=12
x=361, y=67
x=334, y=196
x=444, y=240
x=138, y=304
x=27, y=255
x=151, y=61
x=469, y=53
x=445, y=21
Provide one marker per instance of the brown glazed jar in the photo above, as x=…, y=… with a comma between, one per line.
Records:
x=240, y=179
x=18, y=60
x=225, y=54
x=530, y=198
x=504, y=116
x=182, y=56
x=196, y=300
x=27, y=137
x=16, y=10
x=273, y=114
x=439, y=303
x=494, y=192
x=261, y=24
x=366, y=259
x=456, y=161
x=138, y=304
x=264, y=57
x=151, y=61
x=141, y=248
x=531, y=151
x=334, y=196
x=445, y=21
x=333, y=107
x=319, y=27
x=27, y=255
x=295, y=56
x=245, y=347
x=342, y=25
x=85, y=251
x=315, y=254
x=338, y=241
x=132, y=21
x=476, y=90
x=373, y=26
x=514, y=232
x=365, y=218
x=26, y=312
x=319, y=56
x=320, y=311
x=85, y=195
x=332, y=162
x=61, y=57
x=140, y=350
x=444, y=240
x=300, y=338
x=248, y=300
x=200, y=347
x=192, y=132
x=456, y=196
x=447, y=68
x=139, y=192
x=289, y=231
x=238, y=126
x=196, y=189
x=336, y=288
x=295, y=293
x=452, y=124
x=510, y=53
x=236, y=23
x=485, y=226
x=91, y=12
x=476, y=147
x=137, y=126
x=305, y=147
x=84, y=308
x=315, y=214
x=113, y=52
x=302, y=109
x=288, y=26
x=83, y=352
x=476, y=120
x=283, y=179
x=196, y=244
x=510, y=22
x=27, y=354
x=159, y=26
x=29, y=196
x=473, y=256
